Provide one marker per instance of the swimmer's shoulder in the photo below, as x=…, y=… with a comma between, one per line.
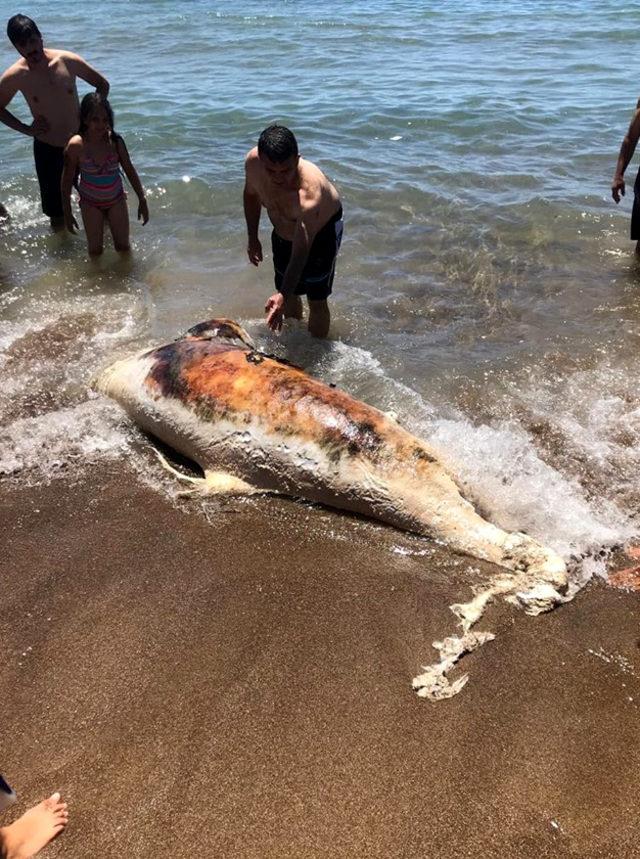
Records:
x=74, y=146
x=14, y=77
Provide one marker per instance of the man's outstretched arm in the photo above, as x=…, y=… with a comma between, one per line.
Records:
x=300, y=246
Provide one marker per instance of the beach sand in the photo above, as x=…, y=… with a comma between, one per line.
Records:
x=234, y=680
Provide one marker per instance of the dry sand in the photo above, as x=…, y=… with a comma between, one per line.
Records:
x=238, y=685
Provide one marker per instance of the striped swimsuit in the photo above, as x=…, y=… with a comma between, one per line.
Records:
x=101, y=184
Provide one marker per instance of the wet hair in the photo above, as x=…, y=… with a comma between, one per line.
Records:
x=277, y=144
x=20, y=29
x=90, y=103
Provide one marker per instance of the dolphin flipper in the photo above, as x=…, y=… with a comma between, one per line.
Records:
x=223, y=483
x=213, y=482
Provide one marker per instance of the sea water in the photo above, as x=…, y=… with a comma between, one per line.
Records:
x=486, y=290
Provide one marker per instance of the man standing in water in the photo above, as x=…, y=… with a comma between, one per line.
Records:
x=47, y=80
x=627, y=149
x=306, y=214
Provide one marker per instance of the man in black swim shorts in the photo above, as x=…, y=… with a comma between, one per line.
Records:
x=627, y=149
x=306, y=213
x=47, y=80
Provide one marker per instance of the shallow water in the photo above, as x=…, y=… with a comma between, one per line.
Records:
x=486, y=288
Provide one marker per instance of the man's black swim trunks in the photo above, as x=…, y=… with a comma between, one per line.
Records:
x=317, y=276
x=49, y=163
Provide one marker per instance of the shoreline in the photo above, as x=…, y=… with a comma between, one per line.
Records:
x=237, y=682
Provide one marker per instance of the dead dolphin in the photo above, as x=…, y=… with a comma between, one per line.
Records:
x=256, y=423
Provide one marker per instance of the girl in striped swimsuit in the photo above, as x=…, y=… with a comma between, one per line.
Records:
x=96, y=154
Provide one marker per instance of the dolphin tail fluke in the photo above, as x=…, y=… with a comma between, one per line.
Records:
x=541, y=564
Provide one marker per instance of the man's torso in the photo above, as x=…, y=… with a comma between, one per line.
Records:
x=50, y=91
x=284, y=205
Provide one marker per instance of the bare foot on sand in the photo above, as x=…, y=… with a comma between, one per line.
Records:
x=26, y=836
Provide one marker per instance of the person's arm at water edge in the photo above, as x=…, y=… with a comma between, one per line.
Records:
x=132, y=175
x=303, y=236
x=627, y=149
x=252, y=209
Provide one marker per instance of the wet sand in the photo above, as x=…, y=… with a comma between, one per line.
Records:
x=238, y=685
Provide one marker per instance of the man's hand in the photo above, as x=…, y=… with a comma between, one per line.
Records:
x=254, y=251
x=70, y=223
x=274, y=310
x=617, y=188
x=39, y=126
x=143, y=211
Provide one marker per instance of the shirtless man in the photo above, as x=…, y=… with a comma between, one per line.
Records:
x=627, y=148
x=47, y=80
x=306, y=214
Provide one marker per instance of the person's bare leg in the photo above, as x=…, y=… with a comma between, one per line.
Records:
x=93, y=221
x=57, y=224
x=319, y=318
x=638, y=248
x=292, y=307
x=38, y=826
x=118, y=220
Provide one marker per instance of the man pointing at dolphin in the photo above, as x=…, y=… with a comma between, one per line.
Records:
x=306, y=213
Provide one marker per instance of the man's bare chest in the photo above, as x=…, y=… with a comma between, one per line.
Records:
x=282, y=206
x=48, y=86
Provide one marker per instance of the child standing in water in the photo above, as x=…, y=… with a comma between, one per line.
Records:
x=96, y=153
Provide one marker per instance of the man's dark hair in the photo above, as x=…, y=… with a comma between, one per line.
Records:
x=20, y=29
x=277, y=144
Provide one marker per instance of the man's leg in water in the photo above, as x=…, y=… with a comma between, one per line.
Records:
x=27, y=835
x=49, y=161
x=319, y=318
x=293, y=307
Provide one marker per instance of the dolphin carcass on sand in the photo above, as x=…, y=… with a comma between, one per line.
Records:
x=259, y=424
